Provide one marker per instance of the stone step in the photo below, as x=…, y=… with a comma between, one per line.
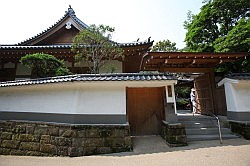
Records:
x=199, y=124
x=194, y=118
x=207, y=131
x=209, y=137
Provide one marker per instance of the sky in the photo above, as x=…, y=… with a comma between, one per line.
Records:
x=132, y=19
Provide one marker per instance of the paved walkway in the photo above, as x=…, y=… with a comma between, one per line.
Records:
x=152, y=151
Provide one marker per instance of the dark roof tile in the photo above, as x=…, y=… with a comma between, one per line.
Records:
x=92, y=77
x=239, y=76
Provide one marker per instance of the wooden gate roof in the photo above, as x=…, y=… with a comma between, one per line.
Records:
x=187, y=61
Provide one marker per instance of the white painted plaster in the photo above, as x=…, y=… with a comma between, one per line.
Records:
x=107, y=97
x=237, y=95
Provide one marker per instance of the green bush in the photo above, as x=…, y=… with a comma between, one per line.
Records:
x=44, y=65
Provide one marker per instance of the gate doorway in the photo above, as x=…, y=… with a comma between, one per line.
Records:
x=145, y=109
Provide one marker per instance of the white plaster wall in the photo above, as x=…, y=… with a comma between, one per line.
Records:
x=67, y=100
x=37, y=101
x=238, y=96
x=101, y=101
x=106, y=97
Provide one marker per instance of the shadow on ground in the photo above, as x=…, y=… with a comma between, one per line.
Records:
x=155, y=144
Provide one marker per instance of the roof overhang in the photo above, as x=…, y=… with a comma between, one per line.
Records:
x=187, y=61
x=137, y=79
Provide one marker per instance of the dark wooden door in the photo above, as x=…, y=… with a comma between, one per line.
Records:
x=145, y=108
x=203, y=94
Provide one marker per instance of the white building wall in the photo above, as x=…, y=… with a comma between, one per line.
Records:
x=67, y=100
x=242, y=97
x=238, y=96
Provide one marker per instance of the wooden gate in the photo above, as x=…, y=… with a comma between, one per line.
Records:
x=203, y=94
x=145, y=109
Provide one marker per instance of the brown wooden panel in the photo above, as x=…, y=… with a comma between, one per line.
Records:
x=220, y=98
x=203, y=94
x=145, y=108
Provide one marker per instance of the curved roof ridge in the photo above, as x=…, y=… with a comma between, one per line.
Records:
x=70, y=12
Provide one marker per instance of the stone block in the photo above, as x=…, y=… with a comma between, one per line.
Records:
x=28, y=138
x=4, y=151
x=53, y=131
x=75, y=151
x=10, y=144
x=45, y=139
x=48, y=148
x=114, y=142
x=31, y=146
x=33, y=153
x=17, y=152
x=62, y=141
x=119, y=133
x=127, y=142
x=41, y=130
x=81, y=133
x=19, y=129
x=89, y=151
x=94, y=142
x=69, y=134
x=6, y=135
x=16, y=137
x=62, y=129
x=30, y=128
x=78, y=142
x=62, y=151
x=103, y=150
x=105, y=132
x=92, y=133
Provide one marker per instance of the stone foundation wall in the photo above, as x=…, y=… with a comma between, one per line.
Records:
x=46, y=139
x=174, y=134
x=241, y=128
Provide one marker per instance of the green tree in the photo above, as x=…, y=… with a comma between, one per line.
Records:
x=94, y=47
x=237, y=40
x=165, y=45
x=44, y=65
x=216, y=19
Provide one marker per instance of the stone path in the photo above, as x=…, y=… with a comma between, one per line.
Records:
x=152, y=151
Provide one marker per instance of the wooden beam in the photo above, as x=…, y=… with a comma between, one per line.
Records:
x=186, y=70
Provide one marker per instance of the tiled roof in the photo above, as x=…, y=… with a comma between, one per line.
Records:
x=70, y=13
x=239, y=76
x=14, y=47
x=65, y=46
x=91, y=78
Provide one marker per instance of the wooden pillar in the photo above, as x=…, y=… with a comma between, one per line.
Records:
x=212, y=91
x=205, y=92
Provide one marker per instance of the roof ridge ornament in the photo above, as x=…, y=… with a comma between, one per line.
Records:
x=70, y=11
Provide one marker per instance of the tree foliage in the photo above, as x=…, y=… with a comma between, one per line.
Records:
x=44, y=65
x=94, y=47
x=165, y=45
x=216, y=19
x=221, y=26
x=237, y=40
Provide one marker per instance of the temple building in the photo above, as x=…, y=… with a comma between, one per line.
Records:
x=57, y=40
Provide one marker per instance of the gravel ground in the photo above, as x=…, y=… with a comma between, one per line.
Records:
x=152, y=151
